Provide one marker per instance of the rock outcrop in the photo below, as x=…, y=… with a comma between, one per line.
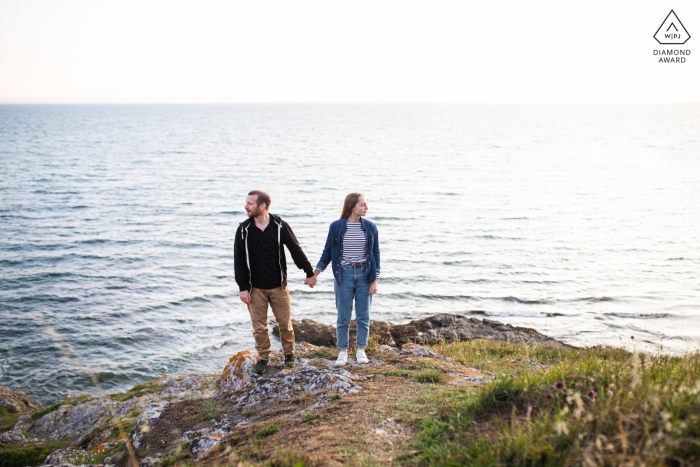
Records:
x=18, y=401
x=426, y=331
x=153, y=421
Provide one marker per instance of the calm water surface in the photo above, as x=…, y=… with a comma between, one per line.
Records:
x=117, y=225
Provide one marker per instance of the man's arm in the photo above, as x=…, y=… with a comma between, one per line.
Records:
x=240, y=263
x=297, y=253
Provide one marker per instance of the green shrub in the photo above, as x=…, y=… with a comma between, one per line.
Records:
x=591, y=407
x=27, y=456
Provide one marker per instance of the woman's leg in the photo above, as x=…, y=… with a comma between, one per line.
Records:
x=363, y=302
x=343, y=303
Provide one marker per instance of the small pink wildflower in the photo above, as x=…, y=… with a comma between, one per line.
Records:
x=592, y=394
x=560, y=385
x=549, y=395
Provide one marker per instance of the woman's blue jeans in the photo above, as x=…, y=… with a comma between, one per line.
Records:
x=353, y=285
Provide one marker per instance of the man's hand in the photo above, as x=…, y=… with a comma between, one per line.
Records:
x=373, y=287
x=245, y=297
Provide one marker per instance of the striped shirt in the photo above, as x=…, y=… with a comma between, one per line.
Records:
x=354, y=245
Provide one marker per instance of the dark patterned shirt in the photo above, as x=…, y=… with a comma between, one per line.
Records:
x=265, y=269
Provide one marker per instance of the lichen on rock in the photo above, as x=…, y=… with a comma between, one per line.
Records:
x=238, y=374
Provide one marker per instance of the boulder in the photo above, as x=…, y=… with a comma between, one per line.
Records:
x=430, y=330
x=239, y=372
x=18, y=401
x=12, y=437
x=70, y=421
x=456, y=328
x=308, y=330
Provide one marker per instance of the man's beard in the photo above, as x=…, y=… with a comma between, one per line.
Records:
x=254, y=212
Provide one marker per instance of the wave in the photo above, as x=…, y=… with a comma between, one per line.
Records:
x=200, y=298
x=638, y=315
x=45, y=298
x=495, y=237
x=526, y=314
x=469, y=297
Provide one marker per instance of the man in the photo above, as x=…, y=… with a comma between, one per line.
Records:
x=261, y=273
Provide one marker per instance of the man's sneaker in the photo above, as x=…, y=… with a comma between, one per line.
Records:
x=261, y=366
x=289, y=361
x=342, y=359
x=361, y=356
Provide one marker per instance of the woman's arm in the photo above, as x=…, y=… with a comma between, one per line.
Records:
x=326, y=255
x=374, y=286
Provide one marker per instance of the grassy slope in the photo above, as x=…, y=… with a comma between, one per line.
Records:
x=589, y=407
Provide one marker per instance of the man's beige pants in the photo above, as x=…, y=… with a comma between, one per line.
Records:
x=281, y=308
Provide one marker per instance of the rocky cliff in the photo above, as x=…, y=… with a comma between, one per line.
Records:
x=226, y=417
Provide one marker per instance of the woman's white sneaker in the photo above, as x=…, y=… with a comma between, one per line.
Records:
x=342, y=359
x=361, y=356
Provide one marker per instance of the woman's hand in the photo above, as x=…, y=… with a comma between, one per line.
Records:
x=373, y=287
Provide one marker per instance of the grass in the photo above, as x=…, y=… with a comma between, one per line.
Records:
x=269, y=429
x=327, y=353
x=8, y=418
x=589, y=407
x=209, y=411
x=424, y=376
x=402, y=373
x=292, y=459
x=250, y=412
x=430, y=376
x=137, y=391
x=40, y=413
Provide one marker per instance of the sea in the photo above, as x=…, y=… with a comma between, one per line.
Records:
x=117, y=225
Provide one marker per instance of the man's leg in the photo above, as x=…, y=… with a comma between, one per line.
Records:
x=258, y=316
x=363, y=301
x=343, y=303
x=281, y=308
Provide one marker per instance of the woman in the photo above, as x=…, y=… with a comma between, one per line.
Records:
x=352, y=248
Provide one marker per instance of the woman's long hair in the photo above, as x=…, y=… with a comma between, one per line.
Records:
x=349, y=204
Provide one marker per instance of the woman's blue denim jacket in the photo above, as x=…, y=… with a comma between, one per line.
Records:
x=334, y=248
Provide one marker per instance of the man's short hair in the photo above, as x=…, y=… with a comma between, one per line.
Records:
x=263, y=197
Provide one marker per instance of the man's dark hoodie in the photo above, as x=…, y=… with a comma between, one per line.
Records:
x=285, y=236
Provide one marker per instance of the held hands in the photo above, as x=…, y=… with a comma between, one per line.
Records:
x=310, y=281
x=245, y=297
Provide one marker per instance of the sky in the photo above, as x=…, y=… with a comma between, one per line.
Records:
x=327, y=51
